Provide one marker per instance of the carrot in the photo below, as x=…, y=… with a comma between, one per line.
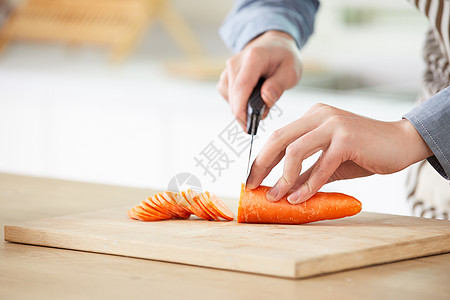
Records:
x=206, y=208
x=179, y=210
x=218, y=207
x=154, y=204
x=169, y=205
x=139, y=214
x=255, y=208
x=189, y=196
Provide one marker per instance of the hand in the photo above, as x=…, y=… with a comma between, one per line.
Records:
x=352, y=146
x=273, y=55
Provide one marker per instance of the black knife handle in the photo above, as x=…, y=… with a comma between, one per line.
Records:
x=255, y=108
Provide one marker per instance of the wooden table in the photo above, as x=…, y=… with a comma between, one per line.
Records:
x=45, y=273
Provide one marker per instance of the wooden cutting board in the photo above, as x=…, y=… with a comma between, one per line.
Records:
x=293, y=251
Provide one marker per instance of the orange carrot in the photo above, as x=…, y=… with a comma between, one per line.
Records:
x=218, y=207
x=189, y=196
x=168, y=205
x=206, y=208
x=255, y=208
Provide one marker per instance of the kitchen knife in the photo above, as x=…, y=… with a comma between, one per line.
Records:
x=255, y=110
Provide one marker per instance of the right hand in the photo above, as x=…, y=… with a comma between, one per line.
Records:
x=274, y=55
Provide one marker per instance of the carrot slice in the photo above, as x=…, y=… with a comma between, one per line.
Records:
x=182, y=202
x=203, y=204
x=217, y=205
x=151, y=211
x=195, y=208
x=150, y=202
x=177, y=209
x=166, y=206
x=139, y=214
x=255, y=208
x=159, y=201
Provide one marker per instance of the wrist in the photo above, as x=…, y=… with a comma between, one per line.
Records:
x=279, y=34
x=273, y=35
x=417, y=148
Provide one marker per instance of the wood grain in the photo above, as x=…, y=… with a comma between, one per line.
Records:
x=278, y=250
x=30, y=272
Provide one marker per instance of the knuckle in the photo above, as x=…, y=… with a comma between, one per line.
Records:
x=242, y=83
x=316, y=108
x=294, y=73
x=343, y=133
x=254, y=53
x=232, y=63
x=319, y=173
x=276, y=136
x=291, y=150
x=307, y=188
x=289, y=179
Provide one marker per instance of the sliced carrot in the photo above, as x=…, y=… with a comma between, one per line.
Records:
x=160, y=203
x=177, y=209
x=204, y=205
x=198, y=211
x=139, y=214
x=131, y=215
x=182, y=202
x=255, y=208
x=153, y=207
x=151, y=211
x=217, y=205
x=168, y=205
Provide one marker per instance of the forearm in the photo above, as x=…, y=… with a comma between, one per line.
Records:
x=432, y=120
x=250, y=18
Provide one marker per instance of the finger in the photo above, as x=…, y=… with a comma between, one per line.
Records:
x=233, y=68
x=253, y=182
x=296, y=152
x=324, y=168
x=222, y=85
x=284, y=78
x=243, y=85
x=277, y=144
x=304, y=176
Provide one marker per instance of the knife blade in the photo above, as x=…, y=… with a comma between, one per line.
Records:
x=255, y=110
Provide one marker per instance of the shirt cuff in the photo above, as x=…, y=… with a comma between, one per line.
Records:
x=432, y=120
x=250, y=19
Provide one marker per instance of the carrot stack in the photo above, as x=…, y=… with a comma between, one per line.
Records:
x=169, y=205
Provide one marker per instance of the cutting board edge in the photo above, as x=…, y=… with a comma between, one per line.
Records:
x=284, y=268
x=376, y=255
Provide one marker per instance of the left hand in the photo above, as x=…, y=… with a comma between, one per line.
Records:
x=352, y=146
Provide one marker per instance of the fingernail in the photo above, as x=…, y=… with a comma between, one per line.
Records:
x=249, y=183
x=272, y=193
x=294, y=197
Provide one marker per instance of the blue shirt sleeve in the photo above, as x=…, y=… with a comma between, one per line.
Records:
x=432, y=121
x=250, y=18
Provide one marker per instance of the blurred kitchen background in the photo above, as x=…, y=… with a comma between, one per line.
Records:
x=124, y=91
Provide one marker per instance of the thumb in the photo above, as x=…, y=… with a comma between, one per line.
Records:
x=284, y=78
